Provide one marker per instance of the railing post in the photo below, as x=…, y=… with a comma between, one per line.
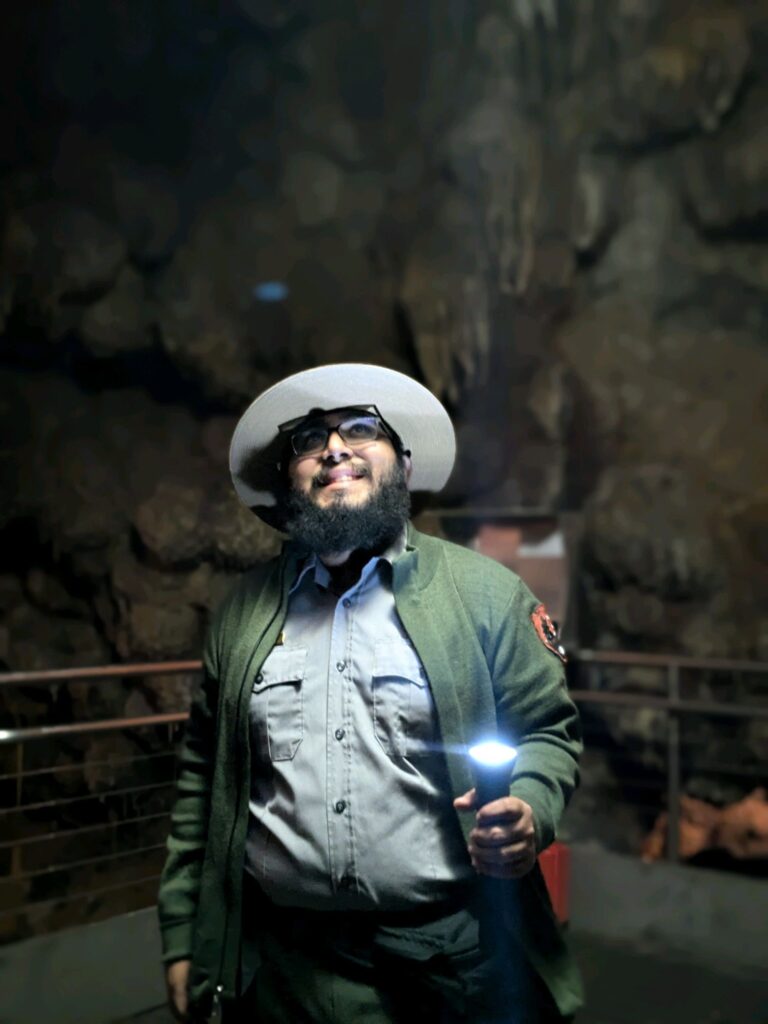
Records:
x=673, y=765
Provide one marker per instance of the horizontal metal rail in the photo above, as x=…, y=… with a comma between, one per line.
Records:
x=678, y=705
x=91, y=672
x=665, y=660
x=40, y=732
x=671, y=704
x=60, y=769
x=101, y=858
x=65, y=833
x=69, y=800
x=162, y=668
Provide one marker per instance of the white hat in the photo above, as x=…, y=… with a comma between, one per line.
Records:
x=412, y=411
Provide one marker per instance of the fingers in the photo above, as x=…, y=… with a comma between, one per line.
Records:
x=509, y=853
x=176, y=978
x=499, y=836
x=465, y=802
x=511, y=861
x=177, y=999
x=507, y=807
x=503, y=842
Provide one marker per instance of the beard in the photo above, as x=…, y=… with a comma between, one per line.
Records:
x=370, y=526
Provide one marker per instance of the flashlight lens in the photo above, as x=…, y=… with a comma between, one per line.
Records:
x=492, y=753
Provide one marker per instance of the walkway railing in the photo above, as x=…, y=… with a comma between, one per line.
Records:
x=97, y=848
x=592, y=667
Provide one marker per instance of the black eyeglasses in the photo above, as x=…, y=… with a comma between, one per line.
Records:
x=355, y=430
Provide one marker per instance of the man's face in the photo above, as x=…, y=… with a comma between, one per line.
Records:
x=342, y=474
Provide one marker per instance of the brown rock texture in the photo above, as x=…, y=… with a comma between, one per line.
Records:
x=553, y=217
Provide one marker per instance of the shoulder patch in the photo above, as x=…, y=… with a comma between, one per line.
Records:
x=546, y=631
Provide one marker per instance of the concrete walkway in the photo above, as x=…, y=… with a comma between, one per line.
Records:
x=631, y=985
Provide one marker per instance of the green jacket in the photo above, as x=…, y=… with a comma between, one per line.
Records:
x=469, y=620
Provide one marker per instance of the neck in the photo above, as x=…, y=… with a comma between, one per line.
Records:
x=335, y=559
x=345, y=566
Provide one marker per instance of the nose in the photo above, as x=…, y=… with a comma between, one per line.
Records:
x=335, y=447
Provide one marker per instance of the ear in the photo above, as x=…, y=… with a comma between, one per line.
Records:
x=408, y=466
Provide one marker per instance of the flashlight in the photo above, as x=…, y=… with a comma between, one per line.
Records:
x=492, y=763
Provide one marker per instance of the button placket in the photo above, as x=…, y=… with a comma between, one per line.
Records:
x=339, y=754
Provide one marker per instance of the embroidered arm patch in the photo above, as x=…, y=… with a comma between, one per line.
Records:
x=547, y=632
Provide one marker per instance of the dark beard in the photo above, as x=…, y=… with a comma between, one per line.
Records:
x=372, y=526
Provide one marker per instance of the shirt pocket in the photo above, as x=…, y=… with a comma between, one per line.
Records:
x=277, y=703
x=403, y=710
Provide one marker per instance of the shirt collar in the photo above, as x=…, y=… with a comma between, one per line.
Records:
x=323, y=577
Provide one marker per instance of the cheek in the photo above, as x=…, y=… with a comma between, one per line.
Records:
x=299, y=477
x=383, y=468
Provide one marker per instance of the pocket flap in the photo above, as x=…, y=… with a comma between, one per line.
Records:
x=283, y=665
x=393, y=658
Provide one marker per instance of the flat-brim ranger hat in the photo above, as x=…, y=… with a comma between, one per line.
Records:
x=412, y=411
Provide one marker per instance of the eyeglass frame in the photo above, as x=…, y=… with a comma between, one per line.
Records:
x=388, y=431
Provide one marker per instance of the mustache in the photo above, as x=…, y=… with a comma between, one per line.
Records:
x=323, y=476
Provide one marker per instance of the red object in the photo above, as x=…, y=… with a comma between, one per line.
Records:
x=555, y=863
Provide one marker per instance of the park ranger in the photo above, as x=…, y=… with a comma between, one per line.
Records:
x=328, y=860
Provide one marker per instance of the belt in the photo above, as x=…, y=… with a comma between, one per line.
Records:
x=415, y=931
x=465, y=897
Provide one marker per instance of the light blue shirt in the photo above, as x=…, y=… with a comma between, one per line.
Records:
x=350, y=804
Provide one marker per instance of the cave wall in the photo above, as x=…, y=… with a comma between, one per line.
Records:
x=555, y=216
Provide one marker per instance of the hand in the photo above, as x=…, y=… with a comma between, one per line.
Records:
x=503, y=843
x=176, y=976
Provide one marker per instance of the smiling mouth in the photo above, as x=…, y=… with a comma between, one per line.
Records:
x=339, y=476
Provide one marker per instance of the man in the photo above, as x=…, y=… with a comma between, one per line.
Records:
x=327, y=860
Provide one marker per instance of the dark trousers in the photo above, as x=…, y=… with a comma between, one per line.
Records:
x=430, y=968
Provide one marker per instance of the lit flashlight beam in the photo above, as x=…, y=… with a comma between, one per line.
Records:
x=492, y=762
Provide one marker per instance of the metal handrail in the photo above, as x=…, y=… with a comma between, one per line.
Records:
x=678, y=705
x=665, y=660
x=62, y=801
x=61, y=769
x=162, y=668
x=85, y=862
x=37, y=732
x=64, y=833
x=671, y=704
x=63, y=675
x=674, y=704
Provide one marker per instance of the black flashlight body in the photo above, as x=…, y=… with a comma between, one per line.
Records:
x=491, y=782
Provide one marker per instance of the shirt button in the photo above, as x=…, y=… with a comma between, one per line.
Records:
x=341, y=665
x=347, y=603
x=339, y=734
x=340, y=806
x=260, y=677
